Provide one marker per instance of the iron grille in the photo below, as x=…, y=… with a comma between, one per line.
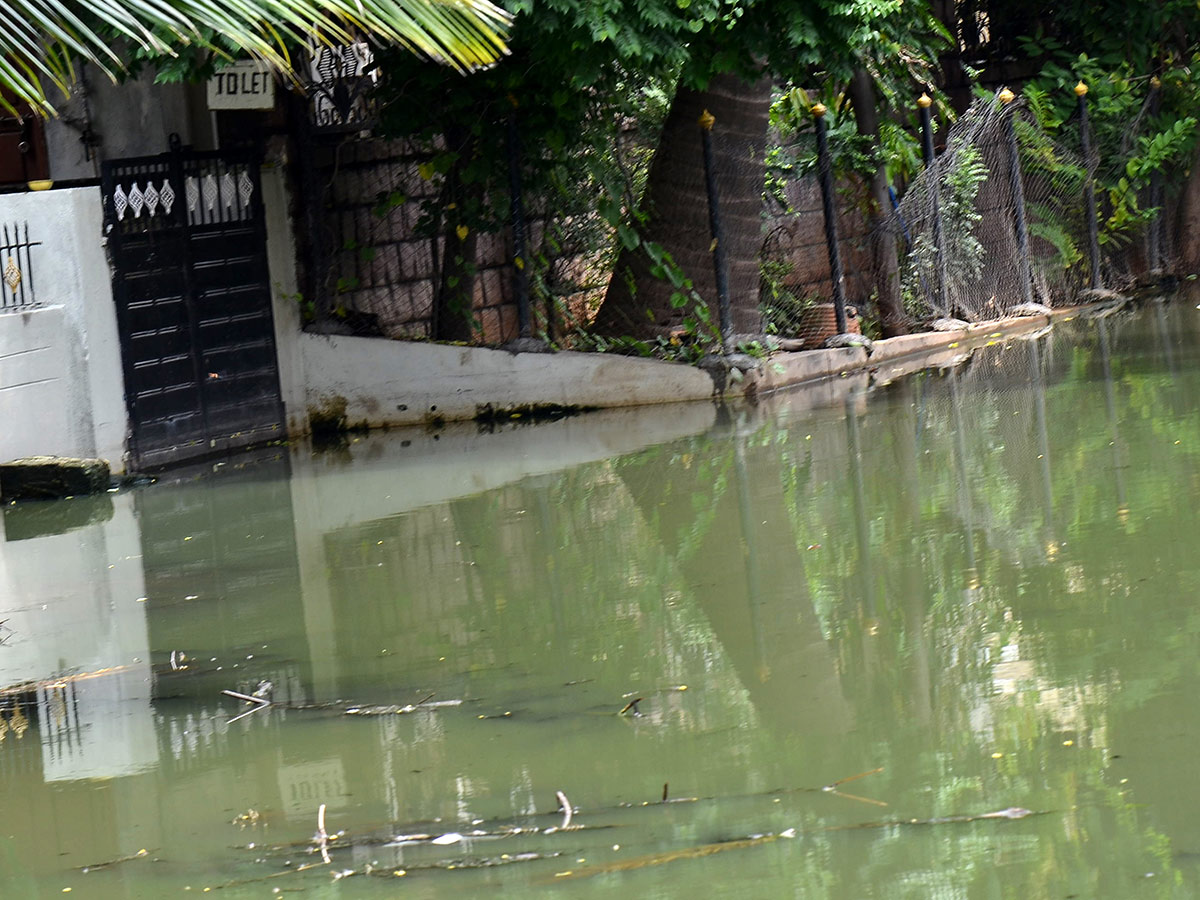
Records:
x=16, y=267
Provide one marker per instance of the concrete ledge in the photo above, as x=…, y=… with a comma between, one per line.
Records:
x=355, y=382
x=372, y=382
x=786, y=369
x=49, y=477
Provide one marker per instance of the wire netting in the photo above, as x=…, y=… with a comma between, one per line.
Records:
x=965, y=251
x=953, y=246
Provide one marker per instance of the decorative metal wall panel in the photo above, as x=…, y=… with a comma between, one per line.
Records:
x=16, y=267
x=193, y=299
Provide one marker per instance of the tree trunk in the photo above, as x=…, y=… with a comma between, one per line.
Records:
x=637, y=303
x=955, y=81
x=892, y=318
x=1187, y=224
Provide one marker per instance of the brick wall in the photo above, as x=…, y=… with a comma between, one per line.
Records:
x=798, y=240
x=382, y=268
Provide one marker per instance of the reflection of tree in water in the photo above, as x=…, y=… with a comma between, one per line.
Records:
x=915, y=582
x=743, y=570
x=550, y=600
x=975, y=540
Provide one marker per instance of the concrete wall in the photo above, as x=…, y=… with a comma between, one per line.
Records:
x=384, y=383
x=62, y=391
x=133, y=118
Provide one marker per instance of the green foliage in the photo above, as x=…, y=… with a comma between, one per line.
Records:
x=1125, y=161
x=588, y=82
x=781, y=307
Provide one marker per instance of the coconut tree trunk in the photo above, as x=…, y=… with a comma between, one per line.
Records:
x=1188, y=223
x=892, y=319
x=637, y=303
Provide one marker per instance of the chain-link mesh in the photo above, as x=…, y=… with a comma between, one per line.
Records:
x=963, y=251
x=959, y=246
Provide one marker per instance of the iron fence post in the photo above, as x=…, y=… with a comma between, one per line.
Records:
x=1089, y=185
x=720, y=267
x=1006, y=97
x=517, y=211
x=1154, y=242
x=925, y=103
x=825, y=174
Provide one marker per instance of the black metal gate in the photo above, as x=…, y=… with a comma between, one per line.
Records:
x=187, y=240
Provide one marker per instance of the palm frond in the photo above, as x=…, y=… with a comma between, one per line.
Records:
x=41, y=37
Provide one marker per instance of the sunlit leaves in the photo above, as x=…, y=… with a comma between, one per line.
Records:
x=41, y=38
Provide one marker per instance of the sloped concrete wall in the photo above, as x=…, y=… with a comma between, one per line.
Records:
x=377, y=382
x=62, y=391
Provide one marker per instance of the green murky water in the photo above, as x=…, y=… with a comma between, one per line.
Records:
x=978, y=586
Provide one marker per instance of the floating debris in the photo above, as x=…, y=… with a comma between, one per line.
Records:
x=95, y=867
x=658, y=859
x=833, y=788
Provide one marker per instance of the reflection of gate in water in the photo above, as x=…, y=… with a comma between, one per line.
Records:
x=187, y=238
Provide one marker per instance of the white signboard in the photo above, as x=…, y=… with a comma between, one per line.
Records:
x=242, y=85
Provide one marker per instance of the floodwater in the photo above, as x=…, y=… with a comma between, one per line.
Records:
x=936, y=638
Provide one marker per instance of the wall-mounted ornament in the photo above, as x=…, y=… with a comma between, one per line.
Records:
x=12, y=275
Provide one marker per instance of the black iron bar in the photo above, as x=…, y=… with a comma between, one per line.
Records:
x=27, y=279
x=1154, y=238
x=517, y=211
x=720, y=268
x=825, y=172
x=925, y=104
x=1089, y=185
x=1018, y=197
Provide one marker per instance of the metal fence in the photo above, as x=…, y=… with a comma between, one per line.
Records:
x=16, y=267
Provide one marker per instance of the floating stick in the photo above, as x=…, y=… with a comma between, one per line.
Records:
x=322, y=836
x=566, y=808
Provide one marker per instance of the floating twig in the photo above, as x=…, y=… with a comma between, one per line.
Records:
x=632, y=705
x=247, y=697
x=1012, y=812
x=259, y=703
x=322, y=837
x=391, y=710
x=658, y=859
x=566, y=808
x=833, y=788
x=113, y=862
x=834, y=785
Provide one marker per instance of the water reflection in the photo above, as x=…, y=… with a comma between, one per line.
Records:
x=924, y=576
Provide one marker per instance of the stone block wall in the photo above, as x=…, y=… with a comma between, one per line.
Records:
x=382, y=266
x=797, y=239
